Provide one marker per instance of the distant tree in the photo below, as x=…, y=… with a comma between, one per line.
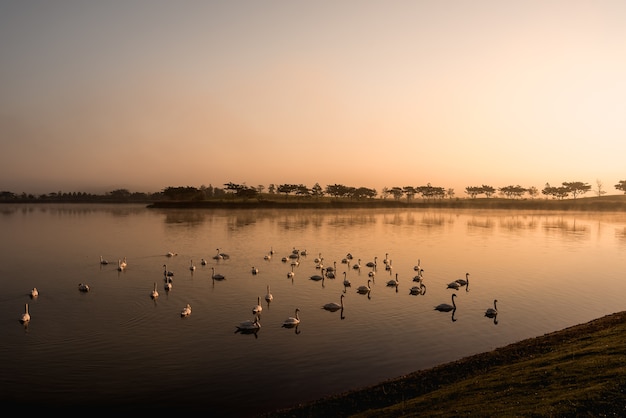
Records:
x=488, y=190
x=260, y=188
x=303, y=191
x=599, y=188
x=513, y=191
x=363, y=192
x=385, y=192
x=532, y=192
x=410, y=192
x=577, y=188
x=272, y=188
x=560, y=192
x=450, y=193
x=317, y=191
x=182, y=193
x=335, y=190
x=473, y=191
x=621, y=185
x=396, y=192
x=287, y=189
x=429, y=191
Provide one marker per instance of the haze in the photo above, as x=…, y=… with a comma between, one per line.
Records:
x=145, y=95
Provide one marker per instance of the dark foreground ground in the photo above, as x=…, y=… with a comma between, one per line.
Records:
x=577, y=372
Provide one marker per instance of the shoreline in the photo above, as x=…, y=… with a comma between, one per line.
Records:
x=538, y=376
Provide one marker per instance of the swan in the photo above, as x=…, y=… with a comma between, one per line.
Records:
x=445, y=307
x=386, y=260
x=330, y=273
x=492, y=312
x=166, y=272
x=267, y=257
x=463, y=282
x=186, y=310
x=120, y=266
x=333, y=306
x=216, y=276
x=454, y=285
x=318, y=259
x=332, y=268
x=255, y=270
x=363, y=288
x=168, y=284
x=103, y=261
x=203, y=262
x=268, y=296
x=218, y=256
x=291, y=273
x=249, y=325
x=170, y=254
x=317, y=277
x=124, y=264
x=295, y=261
x=388, y=266
x=304, y=252
x=346, y=281
x=393, y=282
x=25, y=316
x=83, y=287
x=371, y=274
x=192, y=267
x=34, y=292
x=357, y=266
x=418, y=290
x=417, y=266
x=155, y=294
x=292, y=321
x=258, y=308
x=418, y=277
x=372, y=263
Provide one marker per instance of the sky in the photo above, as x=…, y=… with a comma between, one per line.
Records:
x=150, y=94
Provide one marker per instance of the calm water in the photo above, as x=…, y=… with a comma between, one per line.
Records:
x=115, y=344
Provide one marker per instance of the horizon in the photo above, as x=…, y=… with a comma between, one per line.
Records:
x=113, y=95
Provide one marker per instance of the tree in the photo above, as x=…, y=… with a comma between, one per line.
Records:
x=316, y=191
x=556, y=192
x=532, y=191
x=410, y=192
x=396, y=192
x=513, y=191
x=621, y=185
x=599, y=189
x=488, y=190
x=577, y=188
x=450, y=193
x=473, y=191
x=272, y=188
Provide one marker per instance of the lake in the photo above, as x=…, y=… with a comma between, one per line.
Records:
x=116, y=347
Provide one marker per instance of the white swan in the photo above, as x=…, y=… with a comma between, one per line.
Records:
x=446, y=307
x=186, y=310
x=192, y=266
x=255, y=270
x=388, y=266
x=463, y=282
x=291, y=273
x=154, y=293
x=268, y=296
x=249, y=325
x=417, y=266
x=363, y=288
x=103, y=261
x=393, y=282
x=170, y=254
x=258, y=308
x=120, y=266
x=292, y=321
x=492, y=312
x=346, y=281
x=34, y=292
x=216, y=276
x=124, y=264
x=333, y=306
x=168, y=284
x=25, y=316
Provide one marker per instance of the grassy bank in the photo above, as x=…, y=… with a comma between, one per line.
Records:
x=579, y=371
x=603, y=203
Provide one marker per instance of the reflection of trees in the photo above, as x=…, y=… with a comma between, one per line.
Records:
x=192, y=217
x=475, y=222
x=565, y=227
x=518, y=222
x=620, y=234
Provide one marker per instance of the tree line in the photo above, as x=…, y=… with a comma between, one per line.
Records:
x=337, y=191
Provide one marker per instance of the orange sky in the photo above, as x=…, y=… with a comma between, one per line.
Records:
x=151, y=94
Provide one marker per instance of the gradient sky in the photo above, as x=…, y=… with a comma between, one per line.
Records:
x=148, y=94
